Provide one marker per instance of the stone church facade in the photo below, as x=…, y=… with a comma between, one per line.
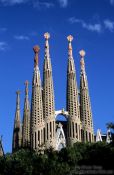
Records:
x=39, y=128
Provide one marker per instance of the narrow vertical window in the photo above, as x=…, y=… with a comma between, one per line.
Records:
x=38, y=138
x=44, y=135
x=53, y=128
x=47, y=131
x=35, y=140
x=73, y=128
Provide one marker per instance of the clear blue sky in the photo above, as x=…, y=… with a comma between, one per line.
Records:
x=22, y=25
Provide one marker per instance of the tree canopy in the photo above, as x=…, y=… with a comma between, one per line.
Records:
x=82, y=157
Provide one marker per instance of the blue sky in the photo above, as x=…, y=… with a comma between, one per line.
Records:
x=23, y=24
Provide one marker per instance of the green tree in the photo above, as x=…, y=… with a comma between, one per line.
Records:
x=110, y=125
x=65, y=162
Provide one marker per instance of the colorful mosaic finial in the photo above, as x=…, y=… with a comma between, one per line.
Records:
x=82, y=53
x=36, y=50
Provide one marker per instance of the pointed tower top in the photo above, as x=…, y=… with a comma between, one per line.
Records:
x=46, y=35
x=82, y=66
x=82, y=53
x=26, y=103
x=18, y=92
x=36, y=50
x=26, y=83
x=26, y=87
x=18, y=100
x=70, y=38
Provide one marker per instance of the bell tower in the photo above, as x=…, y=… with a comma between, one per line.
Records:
x=17, y=131
x=48, y=97
x=26, y=120
x=87, y=132
x=73, y=132
x=37, y=121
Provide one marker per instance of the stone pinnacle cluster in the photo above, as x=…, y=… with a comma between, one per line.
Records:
x=40, y=129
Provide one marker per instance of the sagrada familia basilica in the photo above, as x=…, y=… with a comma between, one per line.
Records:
x=39, y=128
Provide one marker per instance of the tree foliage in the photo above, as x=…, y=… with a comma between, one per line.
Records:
x=110, y=125
x=69, y=161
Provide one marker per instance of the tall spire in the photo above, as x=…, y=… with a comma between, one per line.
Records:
x=37, y=122
x=47, y=36
x=71, y=64
x=82, y=65
x=18, y=102
x=26, y=96
x=47, y=54
x=17, y=115
x=48, y=97
x=17, y=131
x=36, y=50
x=1, y=148
x=72, y=106
x=87, y=132
x=70, y=38
x=36, y=75
x=26, y=119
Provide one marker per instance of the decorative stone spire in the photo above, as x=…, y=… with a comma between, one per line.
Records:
x=36, y=76
x=72, y=106
x=17, y=131
x=26, y=95
x=83, y=72
x=18, y=101
x=82, y=65
x=70, y=38
x=36, y=51
x=1, y=148
x=71, y=65
x=26, y=119
x=37, y=122
x=48, y=97
x=47, y=36
x=87, y=132
x=47, y=55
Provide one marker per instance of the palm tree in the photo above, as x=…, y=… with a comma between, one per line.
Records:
x=110, y=125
